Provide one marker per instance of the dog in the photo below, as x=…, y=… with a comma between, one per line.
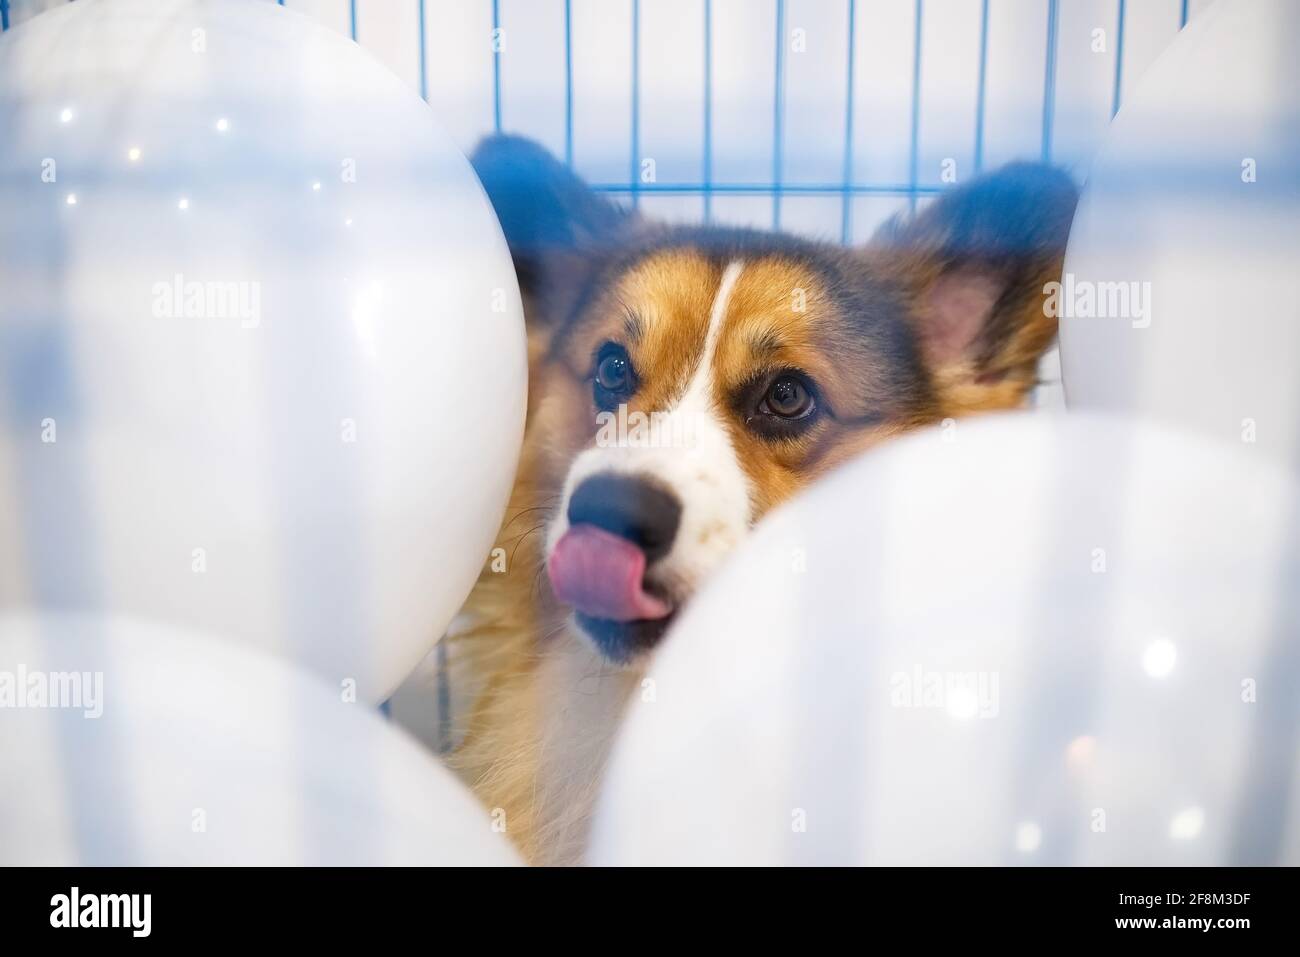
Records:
x=760, y=361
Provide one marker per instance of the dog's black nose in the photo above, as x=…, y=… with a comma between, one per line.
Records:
x=633, y=508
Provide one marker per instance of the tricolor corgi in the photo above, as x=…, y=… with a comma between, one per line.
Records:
x=684, y=381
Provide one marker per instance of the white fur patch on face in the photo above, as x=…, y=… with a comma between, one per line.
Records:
x=688, y=452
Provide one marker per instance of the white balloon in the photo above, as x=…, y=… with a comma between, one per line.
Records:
x=1022, y=641
x=128, y=743
x=1192, y=215
x=264, y=368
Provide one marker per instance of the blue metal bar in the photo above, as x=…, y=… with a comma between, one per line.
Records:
x=1119, y=62
x=765, y=189
x=979, y=100
x=708, y=111
x=424, y=68
x=636, y=102
x=1049, y=81
x=778, y=113
x=1182, y=20
x=496, y=65
x=352, y=9
x=4, y=14
x=568, y=82
x=914, y=155
x=846, y=212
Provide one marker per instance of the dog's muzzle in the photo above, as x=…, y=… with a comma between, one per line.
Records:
x=619, y=525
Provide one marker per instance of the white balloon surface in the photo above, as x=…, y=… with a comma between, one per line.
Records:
x=1029, y=640
x=1182, y=293
x=262, y=365
x=134, y=744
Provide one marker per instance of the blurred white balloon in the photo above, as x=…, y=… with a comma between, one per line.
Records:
x=135, y=744
x=1027, y=640
x=1182, y=293
x=266, y=375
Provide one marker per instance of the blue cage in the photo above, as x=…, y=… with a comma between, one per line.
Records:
x=494, y=89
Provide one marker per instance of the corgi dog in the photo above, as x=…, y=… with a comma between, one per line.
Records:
x=752, y=363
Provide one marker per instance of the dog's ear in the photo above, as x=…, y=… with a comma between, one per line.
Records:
x=973, y=265
x=554, y=223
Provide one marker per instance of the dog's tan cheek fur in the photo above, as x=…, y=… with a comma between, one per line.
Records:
x=778, y=471
x=564, y=416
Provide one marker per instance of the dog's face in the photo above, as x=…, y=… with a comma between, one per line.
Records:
x=686, y=381
x=695, y=391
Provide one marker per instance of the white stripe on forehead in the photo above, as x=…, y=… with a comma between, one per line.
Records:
x=697, y=392
x=702, y=471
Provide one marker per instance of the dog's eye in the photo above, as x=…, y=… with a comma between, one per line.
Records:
x=614, y=380
x=614, y=371
x=788, y=397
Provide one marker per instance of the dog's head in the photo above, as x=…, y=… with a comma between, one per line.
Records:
x=687, y=380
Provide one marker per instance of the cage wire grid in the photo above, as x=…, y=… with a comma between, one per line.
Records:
x=707, y=186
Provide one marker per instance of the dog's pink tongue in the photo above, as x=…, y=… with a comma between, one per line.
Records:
x=599, y=573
